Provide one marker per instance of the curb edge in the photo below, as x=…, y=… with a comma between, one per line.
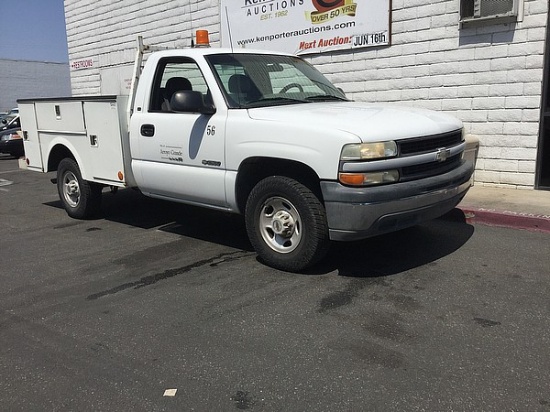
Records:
x=503, y=218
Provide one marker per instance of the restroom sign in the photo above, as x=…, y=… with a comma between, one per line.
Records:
x=83, y=64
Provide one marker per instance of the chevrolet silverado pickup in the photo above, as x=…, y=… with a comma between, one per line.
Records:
x=258, y=133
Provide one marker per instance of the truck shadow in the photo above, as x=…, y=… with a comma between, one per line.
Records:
x=400, y=251
x=380, y=256
x=132, y=208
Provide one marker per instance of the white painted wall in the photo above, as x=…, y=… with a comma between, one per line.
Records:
x=490, y=77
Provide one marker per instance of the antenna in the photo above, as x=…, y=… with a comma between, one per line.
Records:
x=229, y=29
x=191, y=18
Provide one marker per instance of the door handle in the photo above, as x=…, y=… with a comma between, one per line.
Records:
x=147, y=130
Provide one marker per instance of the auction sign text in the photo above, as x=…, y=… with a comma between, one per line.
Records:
x=305, y=26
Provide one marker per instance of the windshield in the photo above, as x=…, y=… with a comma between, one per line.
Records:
x=258, y=80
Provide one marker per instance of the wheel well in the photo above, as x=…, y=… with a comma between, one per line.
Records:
x=58, y=153
x=255, y=169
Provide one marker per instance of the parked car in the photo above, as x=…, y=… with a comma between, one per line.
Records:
x=11, y=121
x=10, y=141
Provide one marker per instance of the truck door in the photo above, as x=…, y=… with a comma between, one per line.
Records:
x=181, y=155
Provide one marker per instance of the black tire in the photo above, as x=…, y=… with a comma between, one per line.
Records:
x=286, y=224
x=81, y=199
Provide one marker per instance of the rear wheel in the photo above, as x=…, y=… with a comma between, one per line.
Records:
x=286, y=224
x=81, y=199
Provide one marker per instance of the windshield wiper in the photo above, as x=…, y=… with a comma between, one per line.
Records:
x=322, y=97
x=275, y=100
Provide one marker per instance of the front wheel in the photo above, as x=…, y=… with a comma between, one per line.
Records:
x=81, y=199
x=286, y=224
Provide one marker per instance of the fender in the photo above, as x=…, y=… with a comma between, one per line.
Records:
x=57, y=144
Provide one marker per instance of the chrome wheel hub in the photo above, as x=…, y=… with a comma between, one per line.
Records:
x=280, y=225
x=71, y=189
x=283, y=224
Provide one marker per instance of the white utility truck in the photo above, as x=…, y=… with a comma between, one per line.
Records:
x=258, y=133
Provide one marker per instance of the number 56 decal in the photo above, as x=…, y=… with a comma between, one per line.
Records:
x=210, y=130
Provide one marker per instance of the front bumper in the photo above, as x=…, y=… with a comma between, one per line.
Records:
x=359, y=213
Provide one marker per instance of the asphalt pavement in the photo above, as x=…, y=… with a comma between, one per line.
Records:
x=157, y=306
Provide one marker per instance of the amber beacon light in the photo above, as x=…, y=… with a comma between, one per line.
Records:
x=201, y=37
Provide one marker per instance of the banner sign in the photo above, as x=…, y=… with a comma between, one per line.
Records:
x=305, y=26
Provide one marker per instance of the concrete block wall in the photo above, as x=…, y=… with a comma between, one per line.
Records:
x=27, y=79
x=489, y=76
x=106, y=31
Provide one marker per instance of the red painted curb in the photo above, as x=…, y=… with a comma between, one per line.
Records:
x=492, y=217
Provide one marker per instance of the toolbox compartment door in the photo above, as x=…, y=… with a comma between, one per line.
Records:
x=31, y=140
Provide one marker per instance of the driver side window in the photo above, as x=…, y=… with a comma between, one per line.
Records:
x=174, y=75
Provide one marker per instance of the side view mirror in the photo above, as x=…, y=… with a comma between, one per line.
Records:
x=190, y=101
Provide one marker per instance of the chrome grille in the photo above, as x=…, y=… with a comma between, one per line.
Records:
x=428, y=143
x=429, y=169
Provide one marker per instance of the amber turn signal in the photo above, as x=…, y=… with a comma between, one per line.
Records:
x=354, y=179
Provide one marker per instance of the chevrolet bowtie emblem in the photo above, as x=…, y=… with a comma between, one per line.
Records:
x=442, y=154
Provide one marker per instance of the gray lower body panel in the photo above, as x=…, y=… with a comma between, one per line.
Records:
x=354, y=213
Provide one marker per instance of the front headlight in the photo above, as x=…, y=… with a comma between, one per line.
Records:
x=369, y=151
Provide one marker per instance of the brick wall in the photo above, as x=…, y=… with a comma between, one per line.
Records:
x=27, y=79
x=490, y=77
